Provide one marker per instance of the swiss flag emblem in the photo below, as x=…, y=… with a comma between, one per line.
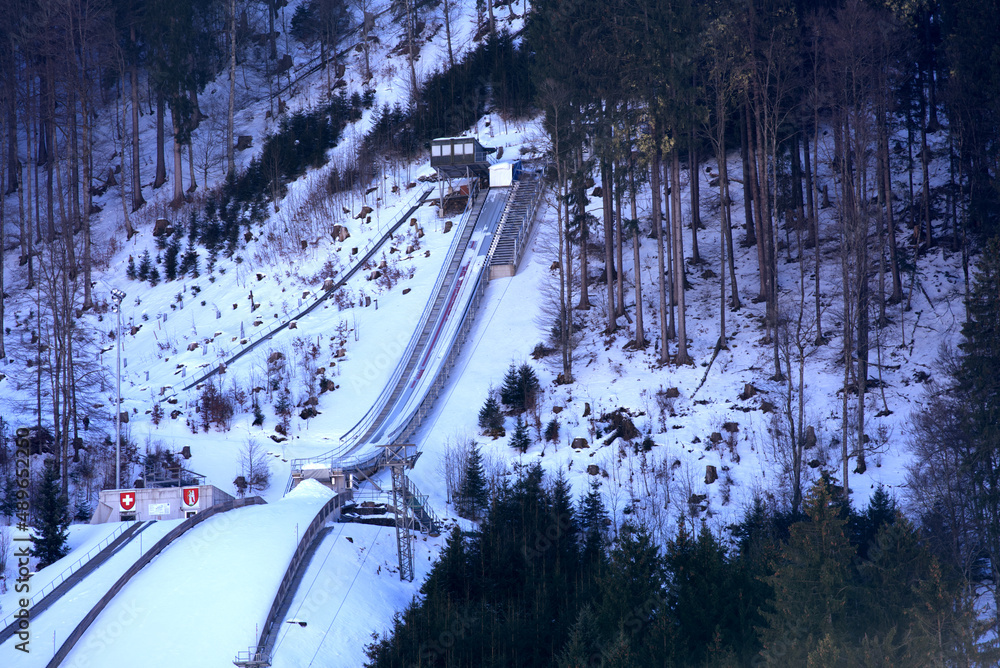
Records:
x=126, y=500
x=191, y=496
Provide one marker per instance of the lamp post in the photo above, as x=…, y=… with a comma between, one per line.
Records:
x=116, y=306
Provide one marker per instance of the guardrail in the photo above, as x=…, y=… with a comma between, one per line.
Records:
x=141, y=563
x=65, y=574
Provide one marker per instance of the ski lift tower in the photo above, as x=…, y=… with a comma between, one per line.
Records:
x=459, y=158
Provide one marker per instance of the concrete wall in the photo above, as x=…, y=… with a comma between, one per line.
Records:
x=164, y=503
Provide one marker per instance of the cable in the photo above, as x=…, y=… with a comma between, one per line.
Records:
x=346, y=594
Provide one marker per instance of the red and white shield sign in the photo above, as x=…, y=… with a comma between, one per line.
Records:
x=190, y=496
x=126, y=500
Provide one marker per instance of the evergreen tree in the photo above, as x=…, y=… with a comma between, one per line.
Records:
x=811, y=583
x=8, y=500
x=520, y=387
x=976, y=377
x=700, y=593
x=170, y=259
x=633, y=596
x=145, y=265
x=490, y=417
x=521, y=440
x=473, y=497
x=131, y=271
x=593, y=525
x=584, y=645
x=51, y=519
x=881, y=511
x=82, y=511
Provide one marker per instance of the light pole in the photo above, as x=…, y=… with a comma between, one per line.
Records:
x=116, y=306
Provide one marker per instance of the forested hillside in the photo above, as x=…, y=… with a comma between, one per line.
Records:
x=792, y=172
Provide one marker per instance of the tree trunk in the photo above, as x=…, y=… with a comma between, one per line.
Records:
x=654, y=183
x=13, y=162
x=682, y=352
x=447, y=33
x=230, y=138
x=161, y=163
x=695, y=186
x=747, y=187
x=609, y=258
x=640, y=334
x=137, y=199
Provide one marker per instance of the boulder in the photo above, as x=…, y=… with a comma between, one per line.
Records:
x=711, y=475
x=593, y=469
x=579, y=443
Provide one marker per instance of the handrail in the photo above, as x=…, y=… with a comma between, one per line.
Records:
x=65, y=574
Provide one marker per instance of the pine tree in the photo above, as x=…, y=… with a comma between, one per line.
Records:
x=521, y=440
x=520, y=387
x=977, y=384
x=8, y=501
x=473, y=496
x=584, y=645
x=51, y=519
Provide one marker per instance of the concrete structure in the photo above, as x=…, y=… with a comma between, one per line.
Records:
x=161, y=503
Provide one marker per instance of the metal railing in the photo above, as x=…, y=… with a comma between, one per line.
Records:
x=68, y=572
x=335, y=455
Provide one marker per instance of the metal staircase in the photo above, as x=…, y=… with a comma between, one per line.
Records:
x=515, y=225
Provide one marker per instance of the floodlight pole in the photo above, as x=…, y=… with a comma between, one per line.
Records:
x=117, y=296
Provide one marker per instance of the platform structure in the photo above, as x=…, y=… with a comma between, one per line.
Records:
x=459, y=158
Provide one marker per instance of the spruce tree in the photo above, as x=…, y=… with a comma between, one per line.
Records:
x=593, y=526
x=811, y=583
x=473, y=496
x=521, y=440
x=51, y=519
x=490, y=417
x=980, y=393
x=8, y=500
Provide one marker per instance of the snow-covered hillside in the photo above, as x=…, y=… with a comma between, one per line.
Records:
x=176, y=331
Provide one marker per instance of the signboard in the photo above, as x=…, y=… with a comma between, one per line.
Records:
x=126, y=500
x=190, y=497
x=159, y=509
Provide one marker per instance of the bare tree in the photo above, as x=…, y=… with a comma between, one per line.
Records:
x=254, y=466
